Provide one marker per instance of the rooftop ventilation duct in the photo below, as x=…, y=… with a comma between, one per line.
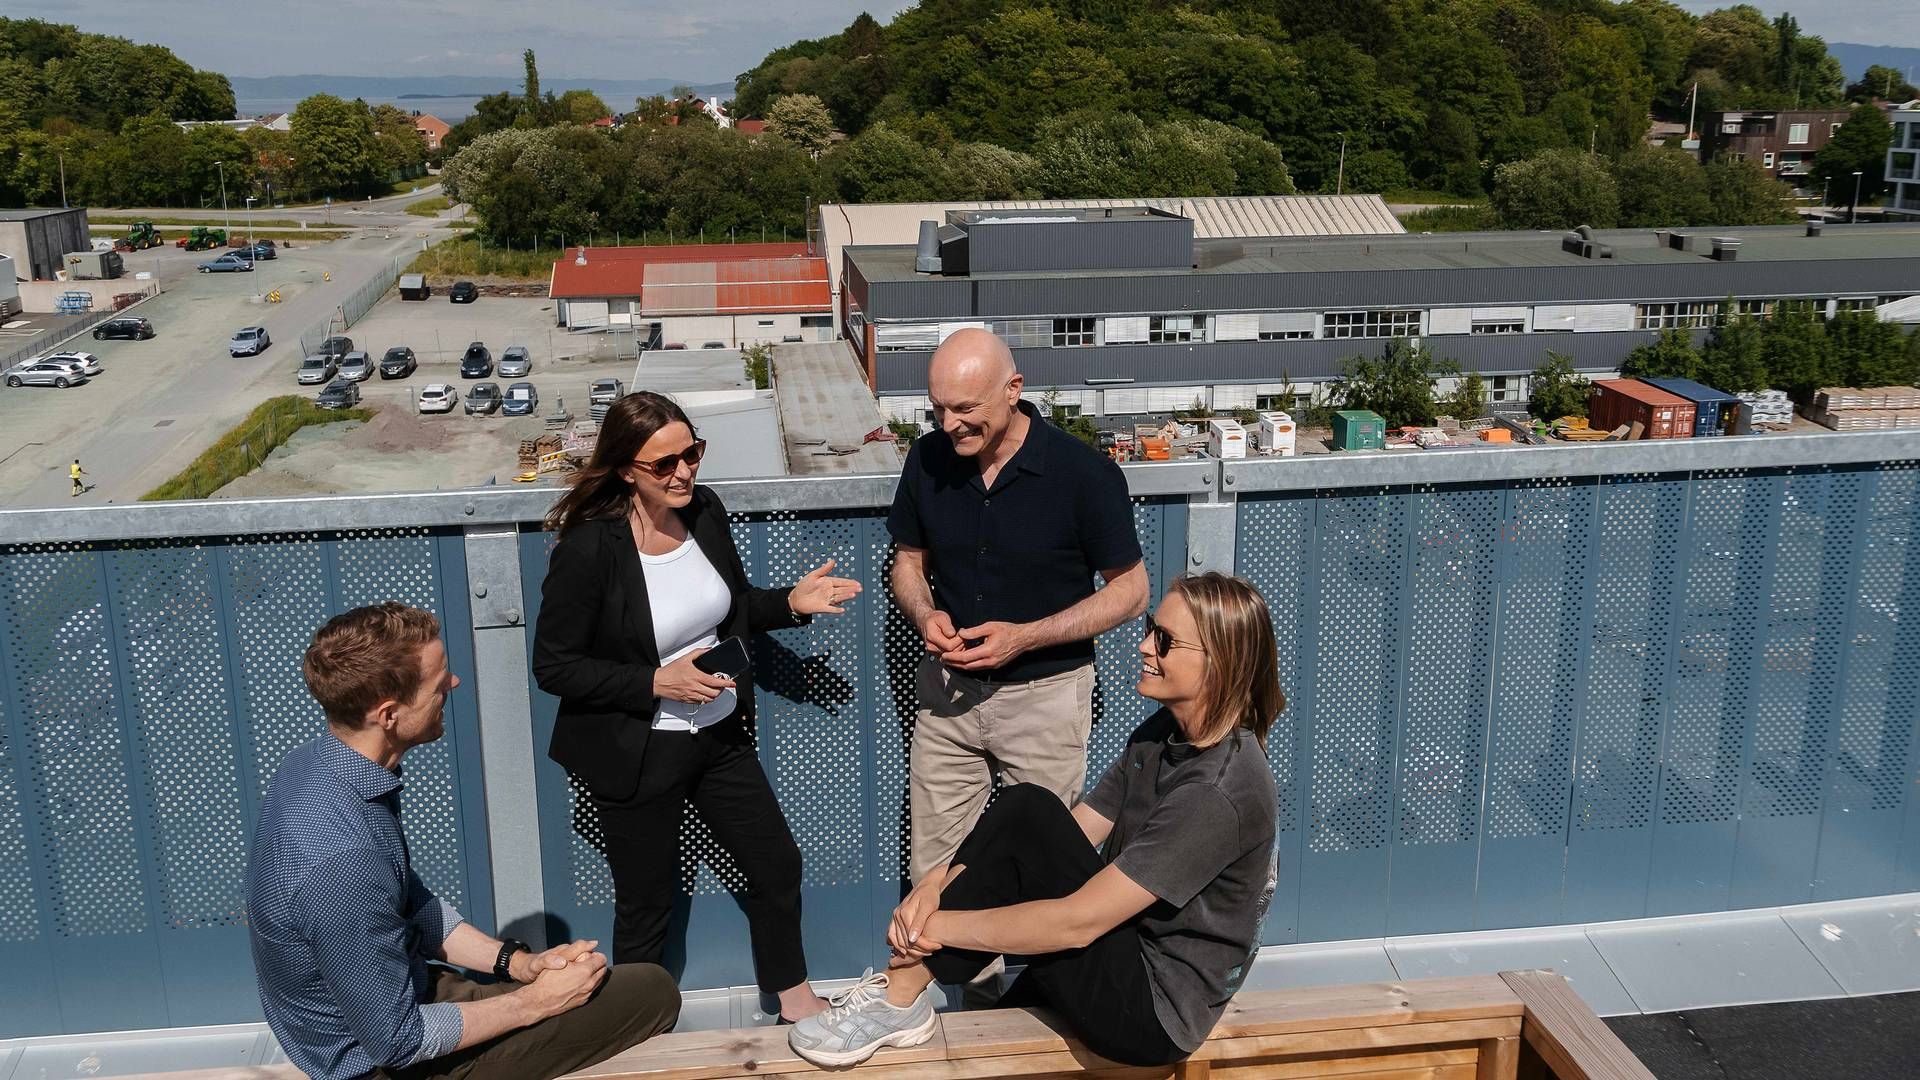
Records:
x=1725, y=249
x=1582, y=243
x=926, y=258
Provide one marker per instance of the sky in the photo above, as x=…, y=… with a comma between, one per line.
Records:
x=692, y=41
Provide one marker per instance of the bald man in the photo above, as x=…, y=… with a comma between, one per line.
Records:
x=1002, y=521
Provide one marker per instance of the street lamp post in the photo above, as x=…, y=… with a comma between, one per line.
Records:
x=251, y=199
x=63, y=177
x=1853, y=211
x=222, y=166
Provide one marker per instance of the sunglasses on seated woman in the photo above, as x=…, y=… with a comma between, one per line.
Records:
x=661, y=468
x=1163, y=640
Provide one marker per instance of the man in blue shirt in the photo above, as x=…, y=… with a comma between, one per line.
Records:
x=342, y=928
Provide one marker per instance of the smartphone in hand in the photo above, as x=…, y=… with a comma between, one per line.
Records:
x=729, y=658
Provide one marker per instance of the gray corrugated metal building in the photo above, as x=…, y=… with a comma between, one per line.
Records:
x=1242, y=318
x=38, y=240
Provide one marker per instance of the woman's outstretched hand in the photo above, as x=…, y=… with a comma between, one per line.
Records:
x=818, y=594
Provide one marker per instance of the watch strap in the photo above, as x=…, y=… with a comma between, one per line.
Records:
x=508, y=946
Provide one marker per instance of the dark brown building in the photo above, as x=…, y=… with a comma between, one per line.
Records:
x=1782, y=141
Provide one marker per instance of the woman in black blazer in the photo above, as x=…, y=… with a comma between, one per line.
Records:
x=644, y=579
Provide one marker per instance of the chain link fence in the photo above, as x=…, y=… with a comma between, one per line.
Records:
x=38, y=345
x=353, y=308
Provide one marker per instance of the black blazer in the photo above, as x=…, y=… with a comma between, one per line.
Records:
x=593, y=645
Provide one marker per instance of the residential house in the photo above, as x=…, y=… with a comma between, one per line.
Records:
x=691, y=294
x=1783, y=141
x=431, y=128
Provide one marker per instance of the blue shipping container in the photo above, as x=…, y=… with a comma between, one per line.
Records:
x=1714, y=410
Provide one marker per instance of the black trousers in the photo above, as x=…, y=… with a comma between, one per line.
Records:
x=1028, y=847
x=716, y=772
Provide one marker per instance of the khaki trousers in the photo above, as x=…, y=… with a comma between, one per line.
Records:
x=635, y=1003
x=1031, y=733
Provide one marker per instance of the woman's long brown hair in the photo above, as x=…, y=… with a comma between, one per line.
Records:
x=1243, y=663
x=598, y=490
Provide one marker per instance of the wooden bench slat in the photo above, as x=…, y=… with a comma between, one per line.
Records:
x=1367, y=1005
x=1362, y=1038
x=1564, y=1031
x=1343, y=1066
x=760, y=1051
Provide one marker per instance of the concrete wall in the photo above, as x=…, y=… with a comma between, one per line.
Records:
x=44, y=296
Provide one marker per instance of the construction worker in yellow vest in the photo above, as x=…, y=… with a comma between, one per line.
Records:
x=77, y=472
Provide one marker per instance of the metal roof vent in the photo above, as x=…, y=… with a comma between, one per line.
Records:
x=1581, y=242
x=1725, y=249
x=926, y=258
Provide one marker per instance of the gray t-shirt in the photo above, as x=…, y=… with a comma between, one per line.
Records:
x=1196, y=829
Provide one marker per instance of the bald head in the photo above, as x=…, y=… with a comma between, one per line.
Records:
x=974, y=389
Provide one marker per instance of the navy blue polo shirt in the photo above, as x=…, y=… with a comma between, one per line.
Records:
x=1057, y=514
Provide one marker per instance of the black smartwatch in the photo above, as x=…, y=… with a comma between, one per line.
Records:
x=508, y=946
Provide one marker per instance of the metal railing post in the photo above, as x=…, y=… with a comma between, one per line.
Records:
x=1211, y=517
x=506, y=729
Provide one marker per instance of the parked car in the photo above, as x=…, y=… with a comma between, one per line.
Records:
x=398, y=363
x=483, y=398
x=477, y=363
x=713, y=344
x=126, y=326
x=44, y=373
x=356, y=366
x=86, y=362
x=674, y=345
x=229, y=263
x=337, y=346
x=317, y=369
x=604, y=391
x=515, y=363
x=437, y=397
x=463, y=292
x=339, y=394
x=259, y=250
x=249, y=341
x=521, y=399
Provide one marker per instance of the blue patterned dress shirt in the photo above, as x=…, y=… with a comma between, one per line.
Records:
x=342, y=927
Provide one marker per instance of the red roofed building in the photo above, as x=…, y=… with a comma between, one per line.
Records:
x=432, y=129
x=750, y=127
x=692, y=294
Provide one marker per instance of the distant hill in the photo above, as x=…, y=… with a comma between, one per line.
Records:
x=619, y=93
x=1856, y=58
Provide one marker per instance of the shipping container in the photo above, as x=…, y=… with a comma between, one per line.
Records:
x=414, y=287
x=1358, y=429
x=1226, y=439
x=1614, y=402
x=1277, y=434
x=1714, y=411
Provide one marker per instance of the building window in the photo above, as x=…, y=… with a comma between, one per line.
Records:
x=816, y=321
x=1797, y=134
x=1665, y=316
x=1757, y=308
x=1499, y=390
x=1499, y=326
x=1023, y=333
x=1286, y=335
x=1170, y=328
x=1766, y=160
x=764, y=324
x=1855, y=303
x=1833, y=130
x=1371, y=324
x=1072, y=332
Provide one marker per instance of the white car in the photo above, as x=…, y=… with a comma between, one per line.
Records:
x=438, y=397
x=89, y=363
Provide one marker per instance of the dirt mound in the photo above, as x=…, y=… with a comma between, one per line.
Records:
x=397, y=429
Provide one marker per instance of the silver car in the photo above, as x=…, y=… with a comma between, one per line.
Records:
x=88, y=363
x=356, y=366
x=45, y=373
x=249, y=341
x=515, y=363
x=317, y=370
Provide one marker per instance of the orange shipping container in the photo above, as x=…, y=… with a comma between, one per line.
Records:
x=1614, y=402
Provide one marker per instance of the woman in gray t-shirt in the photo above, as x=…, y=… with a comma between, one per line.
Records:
x=1139, y=910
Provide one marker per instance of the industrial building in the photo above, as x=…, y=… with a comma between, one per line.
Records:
x=38, y=240
x=692, y=294
x=1123, y=311
x=1903, y=164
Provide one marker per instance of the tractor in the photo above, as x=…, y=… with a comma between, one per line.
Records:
x=140, y=236
x=200, y=238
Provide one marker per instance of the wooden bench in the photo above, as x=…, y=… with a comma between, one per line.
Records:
x=1512, y=1026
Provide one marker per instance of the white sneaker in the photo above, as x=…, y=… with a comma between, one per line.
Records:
x=858, y=1021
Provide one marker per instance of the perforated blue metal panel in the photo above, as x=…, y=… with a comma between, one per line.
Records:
x=835, y=709
x=147, y=691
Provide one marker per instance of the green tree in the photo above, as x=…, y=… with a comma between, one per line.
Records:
x=1795, y=339
x=1558, y=189
x=1469, y=398
x=530, y=103
x=1742, y=193
x=979, y=171
x=1884, y=83
x=882, y=165
x=803, y=120
x=1661, y=187
x=1859, y=146
x=399, y=149
x=1734, y=357
x=579, y=107
x=1555, y=390
x=1397, y=384
x=1864, y=351
x=1670, y=356
x=333, y=146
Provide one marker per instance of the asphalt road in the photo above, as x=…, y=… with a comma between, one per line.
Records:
x=390, y=211
x=161, y=402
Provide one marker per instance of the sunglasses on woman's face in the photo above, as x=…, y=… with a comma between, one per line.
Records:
x=662, y=468
x=1163, y=640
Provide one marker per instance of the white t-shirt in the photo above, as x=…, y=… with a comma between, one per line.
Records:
x=689, y=598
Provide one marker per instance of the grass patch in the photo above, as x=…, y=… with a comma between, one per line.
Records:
x=428, y=207
x=239, y=221
x=467, y=257
x=242, y=449
x=1428, y=195
x=1451, y=219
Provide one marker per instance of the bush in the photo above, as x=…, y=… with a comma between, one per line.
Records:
x=242, y=449
x=428, y=207
x=469, y=257
x=1451, y=219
